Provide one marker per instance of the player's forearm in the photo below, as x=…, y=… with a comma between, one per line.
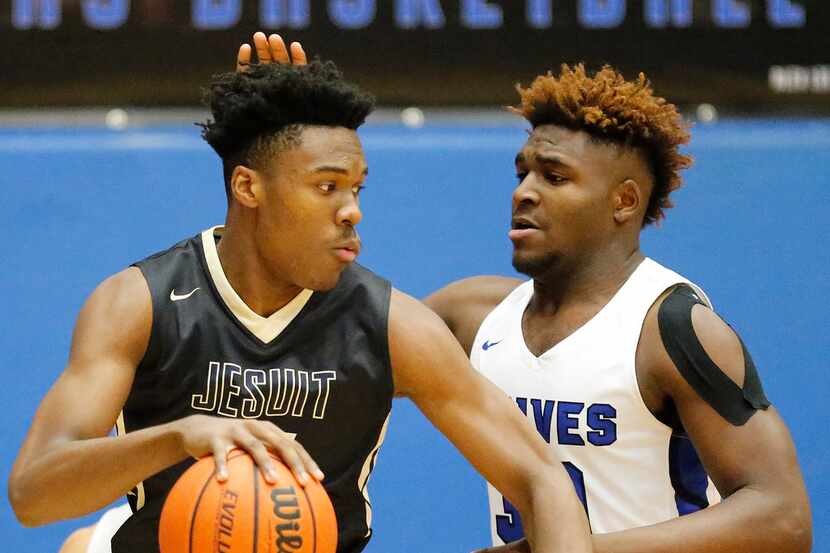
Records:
x=555, y=519
x=78, y=477
x=752, y=521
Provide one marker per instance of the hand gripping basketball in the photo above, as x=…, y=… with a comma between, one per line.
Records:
x=202, y=435
x=245, y=513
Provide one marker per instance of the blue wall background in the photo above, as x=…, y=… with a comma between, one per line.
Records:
x=751, y=226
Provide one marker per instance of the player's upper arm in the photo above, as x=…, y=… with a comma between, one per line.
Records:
x=108, y=343
x=422, y=349
x=464, y=304
x=742, y=441
x=431, y=369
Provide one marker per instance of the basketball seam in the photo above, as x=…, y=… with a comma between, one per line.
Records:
x=196, y=511
x=313, y=520
x=256, y=508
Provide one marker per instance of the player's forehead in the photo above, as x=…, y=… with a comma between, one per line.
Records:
x=547, y=142
x=320, y=147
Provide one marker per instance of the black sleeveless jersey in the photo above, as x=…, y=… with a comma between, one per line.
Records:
x=325, y=377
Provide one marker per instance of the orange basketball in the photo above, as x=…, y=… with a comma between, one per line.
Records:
x=245, y=514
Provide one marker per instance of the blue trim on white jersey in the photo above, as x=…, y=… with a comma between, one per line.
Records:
x=688, y=476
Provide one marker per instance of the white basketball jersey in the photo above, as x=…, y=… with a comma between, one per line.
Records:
x=628, y=468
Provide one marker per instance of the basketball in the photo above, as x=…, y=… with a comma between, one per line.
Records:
x=245, y=513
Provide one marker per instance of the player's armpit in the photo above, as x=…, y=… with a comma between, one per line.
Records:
x=464, y=304
x=485, y=425
x=765, y=507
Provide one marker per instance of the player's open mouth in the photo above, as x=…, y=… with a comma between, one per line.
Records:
x=522, y=227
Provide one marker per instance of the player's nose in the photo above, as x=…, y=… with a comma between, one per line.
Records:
x=525, y=193
x=349, y=213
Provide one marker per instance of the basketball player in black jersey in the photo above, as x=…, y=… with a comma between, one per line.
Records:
x=264, y=335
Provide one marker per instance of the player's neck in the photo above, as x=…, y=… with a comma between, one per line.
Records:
x=249, y=276
x=592, y=280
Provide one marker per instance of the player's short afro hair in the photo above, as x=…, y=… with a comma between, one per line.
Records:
x=610, y=108
x=266, y=101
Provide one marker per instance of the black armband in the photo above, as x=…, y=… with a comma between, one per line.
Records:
x=734, y=403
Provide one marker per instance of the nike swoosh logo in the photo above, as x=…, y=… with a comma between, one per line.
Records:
x=175, y=297
x=488, y=344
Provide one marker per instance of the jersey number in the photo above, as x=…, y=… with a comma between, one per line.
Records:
x=509, y=525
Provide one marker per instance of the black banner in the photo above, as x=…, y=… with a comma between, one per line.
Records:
x=742, y=54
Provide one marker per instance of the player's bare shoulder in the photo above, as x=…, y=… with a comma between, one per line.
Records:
x=117, y=315
x=465, y=303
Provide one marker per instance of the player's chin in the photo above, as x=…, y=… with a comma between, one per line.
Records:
x=325, y=280
x=532, y=263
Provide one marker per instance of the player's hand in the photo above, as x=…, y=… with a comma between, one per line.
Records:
x=202, y=435
x=270, y=49
x=521, y=546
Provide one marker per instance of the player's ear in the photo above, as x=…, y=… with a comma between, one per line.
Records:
x=244, y=186
x=628, y=199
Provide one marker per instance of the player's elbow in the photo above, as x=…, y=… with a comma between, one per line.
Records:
x=26, y=520
x=790, y=525
x=24, y=504
x=21, y=508
x=795, y=528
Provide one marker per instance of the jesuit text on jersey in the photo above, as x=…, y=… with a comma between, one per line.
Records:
x=232, y=391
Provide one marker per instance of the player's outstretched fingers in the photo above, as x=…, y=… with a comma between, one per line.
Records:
x=275, y=433
x=220, y=459
x=288, y=449
x=298, y=56
x=279, y=53
x=258, y=451
x=263, y=50
x=243, y=58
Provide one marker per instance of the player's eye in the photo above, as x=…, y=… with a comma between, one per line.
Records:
x=521, y=175
x=327, y=187
x=357, y=189
x=555, y=178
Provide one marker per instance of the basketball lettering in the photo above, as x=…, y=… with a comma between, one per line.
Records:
x=286, y=507
x=226, y=518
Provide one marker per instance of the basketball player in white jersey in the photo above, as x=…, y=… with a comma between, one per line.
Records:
x=620, y=363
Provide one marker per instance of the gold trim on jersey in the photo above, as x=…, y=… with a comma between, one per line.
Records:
x=363, y=479
x=264, y=328
x=138, y=491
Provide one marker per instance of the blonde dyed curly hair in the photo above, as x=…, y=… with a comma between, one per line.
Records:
x=610, y=108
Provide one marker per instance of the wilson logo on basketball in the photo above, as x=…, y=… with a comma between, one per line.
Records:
x=286, y=509
x=245, y=513
x=226, y=518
